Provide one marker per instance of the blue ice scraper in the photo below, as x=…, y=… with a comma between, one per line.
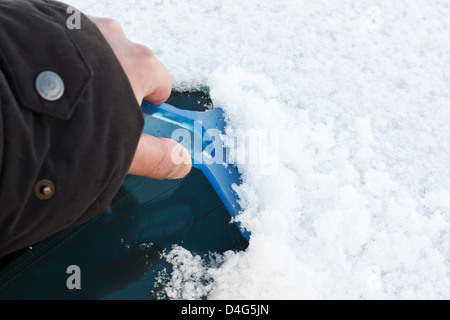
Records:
x=201, y=133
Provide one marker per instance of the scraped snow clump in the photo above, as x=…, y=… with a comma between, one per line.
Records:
x=354, y=202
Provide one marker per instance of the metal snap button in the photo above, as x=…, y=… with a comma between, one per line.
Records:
x=49, y=85
x=44, y=189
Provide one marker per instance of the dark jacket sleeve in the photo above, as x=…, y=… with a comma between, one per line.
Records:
x=61, y=161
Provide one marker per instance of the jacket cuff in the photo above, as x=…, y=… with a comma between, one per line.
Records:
x=79, y=146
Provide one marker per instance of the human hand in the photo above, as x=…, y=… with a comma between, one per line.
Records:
x=150, y=80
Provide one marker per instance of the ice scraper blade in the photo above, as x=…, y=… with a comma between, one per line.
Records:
x=201, y=133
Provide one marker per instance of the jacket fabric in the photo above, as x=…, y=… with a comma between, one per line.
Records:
x=62, y=159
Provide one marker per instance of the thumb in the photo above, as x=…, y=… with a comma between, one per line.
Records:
x=160, y=158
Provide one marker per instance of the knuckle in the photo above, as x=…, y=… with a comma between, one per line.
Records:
x=111, y=24
x=144, y=54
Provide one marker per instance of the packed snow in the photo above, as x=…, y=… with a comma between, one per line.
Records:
x=357, y=205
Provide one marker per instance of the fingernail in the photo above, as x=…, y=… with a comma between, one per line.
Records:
x=187, y=169
x=182, y=168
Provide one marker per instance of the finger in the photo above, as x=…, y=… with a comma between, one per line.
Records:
x=149, y=77
x=159, y=82
x=160, y=158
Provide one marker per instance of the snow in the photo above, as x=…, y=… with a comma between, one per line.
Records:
x=355, y=203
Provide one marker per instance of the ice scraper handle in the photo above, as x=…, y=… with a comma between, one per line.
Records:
x=201, y=134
